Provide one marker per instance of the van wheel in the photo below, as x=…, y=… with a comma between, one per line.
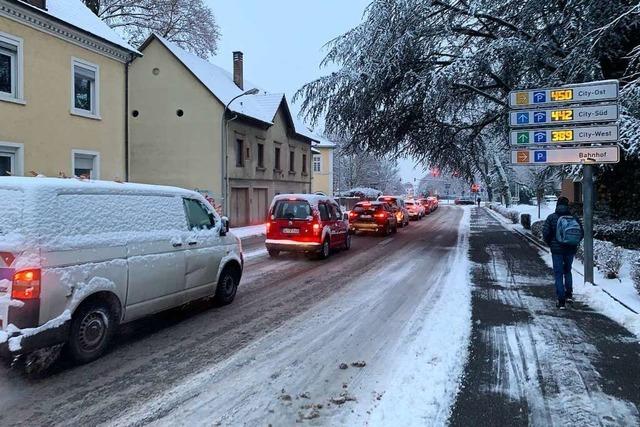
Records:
x=227, y=287
x=92, y=328
x=273, y=253
x=325, y=251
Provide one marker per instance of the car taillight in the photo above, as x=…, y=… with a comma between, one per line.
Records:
x=381, y=215
x=26, y=285
x=268, y=226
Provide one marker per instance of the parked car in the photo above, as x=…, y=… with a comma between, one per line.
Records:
x=378, y=217
x=306, y=223
x=415, y=210
x=550, y=198
x=465, y=201
x=397, y=203
x=78, y=258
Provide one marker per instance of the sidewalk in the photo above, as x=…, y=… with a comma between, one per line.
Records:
x=529, y=363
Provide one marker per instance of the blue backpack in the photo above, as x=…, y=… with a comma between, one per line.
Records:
x=568, y=231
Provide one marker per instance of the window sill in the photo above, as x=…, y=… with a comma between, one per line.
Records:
x=304, y=174
x=260, y=169
x=85, y=114
x=292, y=173
x=11, y=100
x=277, y=170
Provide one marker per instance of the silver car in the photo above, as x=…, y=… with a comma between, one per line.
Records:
x=78, y=258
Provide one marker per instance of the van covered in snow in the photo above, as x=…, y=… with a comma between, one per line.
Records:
x=78, y=258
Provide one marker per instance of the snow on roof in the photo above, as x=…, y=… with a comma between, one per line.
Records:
x=313, y=199
x=323, y=142
x=262, y=106
x=74, y=12
x=73, y=184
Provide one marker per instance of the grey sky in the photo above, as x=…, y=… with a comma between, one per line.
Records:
x=283, y=41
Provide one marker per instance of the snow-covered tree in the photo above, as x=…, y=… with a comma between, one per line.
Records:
x=430, y=78
x=188, y=23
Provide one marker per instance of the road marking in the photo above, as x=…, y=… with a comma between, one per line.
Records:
x=386, y=241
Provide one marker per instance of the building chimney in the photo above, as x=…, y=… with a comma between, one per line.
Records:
x=238, y=61
x=40, y=4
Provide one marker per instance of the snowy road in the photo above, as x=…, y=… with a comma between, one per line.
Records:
x=400, y=304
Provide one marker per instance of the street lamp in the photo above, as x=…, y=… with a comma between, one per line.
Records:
x=223, y=142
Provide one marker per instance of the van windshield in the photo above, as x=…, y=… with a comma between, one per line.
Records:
x=10, y=210
x=292, y=209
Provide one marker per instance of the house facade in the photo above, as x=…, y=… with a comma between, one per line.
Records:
x=323, y=167
x=177, y=116
x=62, y=91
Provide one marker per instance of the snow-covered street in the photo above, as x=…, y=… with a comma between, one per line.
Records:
x=401, y=305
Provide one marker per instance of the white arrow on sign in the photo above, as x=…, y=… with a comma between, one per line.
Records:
x=566, y=156
x=565, y=135
x=606, y=90
x=567, y=115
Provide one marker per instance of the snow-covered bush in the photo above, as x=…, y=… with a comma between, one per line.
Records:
x=635, y=270
x=510, y=214
x=536, y=228
x=608, y=257
x=580, y=251
x=621, y=233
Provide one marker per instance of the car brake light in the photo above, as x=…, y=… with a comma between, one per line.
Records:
x=316, y=227
x=26, y=285
x=381, y=215
x=268, y=226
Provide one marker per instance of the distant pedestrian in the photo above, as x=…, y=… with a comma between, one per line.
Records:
x=563, y=233
x=478, y=201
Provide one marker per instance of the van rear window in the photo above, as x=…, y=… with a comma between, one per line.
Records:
x=11, y=205
x=292, y=209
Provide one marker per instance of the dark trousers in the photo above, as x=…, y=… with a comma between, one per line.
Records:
x=562, y=272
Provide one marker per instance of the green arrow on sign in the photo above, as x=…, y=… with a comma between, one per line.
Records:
x=523, y=137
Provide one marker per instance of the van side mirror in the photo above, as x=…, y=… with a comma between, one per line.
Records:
x=224, y=229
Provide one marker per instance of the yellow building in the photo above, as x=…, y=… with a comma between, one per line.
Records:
x=62, y=91
x=177, y=103
x=323, y=167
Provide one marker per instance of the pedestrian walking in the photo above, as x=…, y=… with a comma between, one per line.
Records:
x=478, y=201
x=563, y=232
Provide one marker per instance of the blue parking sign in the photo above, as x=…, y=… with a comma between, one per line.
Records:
x=523, y=118
x=540, y=137
x=540, y=156
x=540, y=117
x=539, y=97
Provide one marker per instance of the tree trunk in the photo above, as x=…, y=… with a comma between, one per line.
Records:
x=504, y=181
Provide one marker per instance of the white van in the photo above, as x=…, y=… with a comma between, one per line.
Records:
x=78, y=258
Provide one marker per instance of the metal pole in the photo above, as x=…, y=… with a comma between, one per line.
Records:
x=223, y=160
x=587, y=199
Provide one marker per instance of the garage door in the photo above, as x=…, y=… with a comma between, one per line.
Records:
x=260, y=205
x=239, y=209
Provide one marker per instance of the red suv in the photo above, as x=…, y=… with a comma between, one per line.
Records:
x=373, y=216
x=306, y=223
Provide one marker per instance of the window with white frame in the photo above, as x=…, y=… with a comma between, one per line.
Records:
x=317, y=162
x=85, y=88
x=11, y=67
x=11, y=159
x=86, y=164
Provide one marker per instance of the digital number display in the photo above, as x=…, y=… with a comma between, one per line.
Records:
x=561, y=135
x=562, y=115
x=562, y=95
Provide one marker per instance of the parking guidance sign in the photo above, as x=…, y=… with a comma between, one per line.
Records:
x=592, y=92
x=564, y=115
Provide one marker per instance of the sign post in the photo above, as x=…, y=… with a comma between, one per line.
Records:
x=568, y=125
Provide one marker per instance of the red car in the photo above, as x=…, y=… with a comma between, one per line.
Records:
x=378, y=217
x=306, y=223
x=428, y=205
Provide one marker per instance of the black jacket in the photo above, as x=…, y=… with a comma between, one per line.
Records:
x=549, y=231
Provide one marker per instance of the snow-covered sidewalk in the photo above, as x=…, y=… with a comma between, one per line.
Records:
x=611, y=297
x=249, y=231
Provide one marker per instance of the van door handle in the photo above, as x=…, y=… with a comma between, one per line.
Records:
x=177, y=245
x=193, y=243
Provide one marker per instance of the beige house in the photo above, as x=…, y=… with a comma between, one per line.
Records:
x=177, y=102
x=62, y=91
x=323, y=167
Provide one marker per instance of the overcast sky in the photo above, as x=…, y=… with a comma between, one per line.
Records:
x=283, y=41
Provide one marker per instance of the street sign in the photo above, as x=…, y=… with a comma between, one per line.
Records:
x=592, y=92
x=564, y=115
x=566, y=156
x=565, y=135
